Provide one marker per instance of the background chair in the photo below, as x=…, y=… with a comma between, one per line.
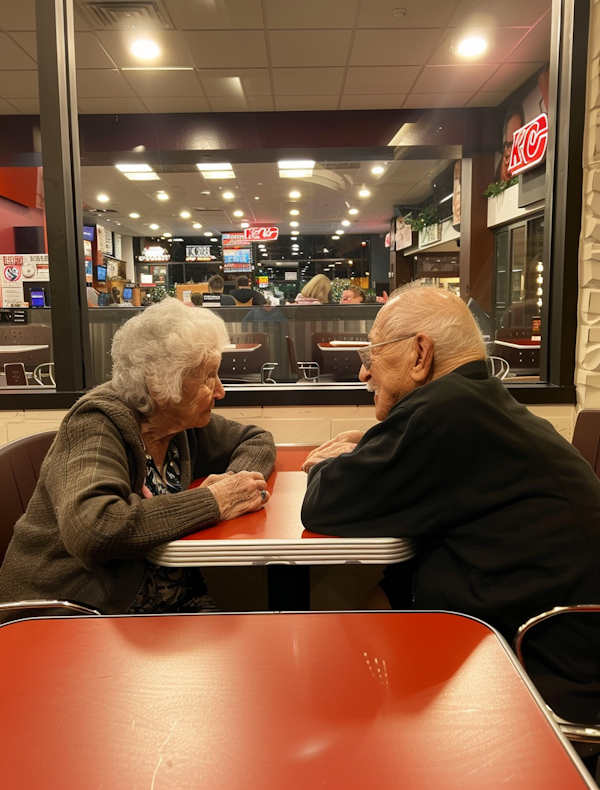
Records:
x=343, y=364
x=20, y=463
x=244, y=365
x=45, y=371
x=498, y=367
x=26, y=335
x=586, y=437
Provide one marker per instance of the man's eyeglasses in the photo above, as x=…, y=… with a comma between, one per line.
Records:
x=365, y=353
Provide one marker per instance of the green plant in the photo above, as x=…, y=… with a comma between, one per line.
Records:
x=427, y=216
x=159, y=292
x=338, y=286
x=497, y=187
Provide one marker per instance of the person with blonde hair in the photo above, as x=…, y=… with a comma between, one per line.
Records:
x=114, y=484
x=316, y=291
x=504, y=511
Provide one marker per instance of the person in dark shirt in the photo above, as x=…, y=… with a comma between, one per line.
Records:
x=244, y=294
x=216, y=285
x=505, y=512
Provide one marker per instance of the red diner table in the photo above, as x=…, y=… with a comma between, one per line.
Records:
x=335, y=701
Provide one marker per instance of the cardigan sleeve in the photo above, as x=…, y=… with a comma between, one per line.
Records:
x=99, y=516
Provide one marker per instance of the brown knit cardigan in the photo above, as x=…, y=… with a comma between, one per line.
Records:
x=88, y=528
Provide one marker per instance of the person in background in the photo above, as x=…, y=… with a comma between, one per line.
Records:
x=114, y=483
x=316, y=291
x=353, y=295
x=246, y=295
x=216, y=285
x=505, y=512
x=196, y=299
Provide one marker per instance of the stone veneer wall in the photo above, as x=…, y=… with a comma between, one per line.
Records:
x=587, y=367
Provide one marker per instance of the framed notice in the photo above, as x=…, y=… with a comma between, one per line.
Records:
x=403, y=235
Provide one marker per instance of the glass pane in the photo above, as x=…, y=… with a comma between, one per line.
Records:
x=502, y=265
x=25, y=303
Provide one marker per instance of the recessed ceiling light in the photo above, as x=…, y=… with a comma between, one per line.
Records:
x=353, y=211
x=265, y=255
x=295, y=233
x=295, y=194
x=103, y=198
x=145, y=49
x=238, y=213
x=339, y=232
x=167, y=235
x=151, y=176
x=377, y=170
x=256, y=197
x=294, y=212
x=335, y=237
x=208, y=232
x=134, y=216
x=185, y=215
x=205, y=192
x=345, y=222
x=162, y=196
x=197, y=225
x=228, y=195
x=364, y=193
x=214, y=238
x=245, y=225
x=295, y=252
x=472, y=46
x=294, y=224
x=154, y=227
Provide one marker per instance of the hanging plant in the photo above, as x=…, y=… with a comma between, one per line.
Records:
x=428, y=216
x=497, y=187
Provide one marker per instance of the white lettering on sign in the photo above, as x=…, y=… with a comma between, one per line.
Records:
x=261, y=234
x=529, y=145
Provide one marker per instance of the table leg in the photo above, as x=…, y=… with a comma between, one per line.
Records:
x=288, y=588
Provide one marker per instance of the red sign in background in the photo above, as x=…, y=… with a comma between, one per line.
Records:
x=529, y=145
x=261, y=234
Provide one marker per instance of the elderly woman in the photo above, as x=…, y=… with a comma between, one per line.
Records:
x=114, y=483
x=316, y=291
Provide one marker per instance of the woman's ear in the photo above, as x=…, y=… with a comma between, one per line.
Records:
x=422, y=368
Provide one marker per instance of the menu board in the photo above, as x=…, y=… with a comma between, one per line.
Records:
x=233, y=240
x=117, y=245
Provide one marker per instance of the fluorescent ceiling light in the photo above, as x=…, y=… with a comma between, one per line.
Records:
x=296, y=168
x=134, y=168
x=214, y=166
x=145, y=49
x=443, y=200
x=157, y=68
x=142, y=176
x=472, y=46
x=220, y=174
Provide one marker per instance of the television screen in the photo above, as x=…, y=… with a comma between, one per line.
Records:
x=442, y=187
x=237, y=256
x=101, y=274
x=128, y=294
x=37, y=298
x=88, y=232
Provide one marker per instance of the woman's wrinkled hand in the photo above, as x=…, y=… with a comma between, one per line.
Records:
x=238, y=494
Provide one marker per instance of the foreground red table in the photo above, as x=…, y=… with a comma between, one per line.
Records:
x=339, y=701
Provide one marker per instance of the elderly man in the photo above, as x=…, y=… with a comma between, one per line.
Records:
x=506, y=513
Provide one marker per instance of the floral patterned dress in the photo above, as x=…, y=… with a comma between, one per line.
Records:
x=169, y=589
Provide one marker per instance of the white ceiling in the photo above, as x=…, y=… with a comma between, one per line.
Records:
x=265, y=55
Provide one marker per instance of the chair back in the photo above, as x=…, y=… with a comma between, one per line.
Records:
x=498, y=367
x=26, y=335
x=245, y=364
x=343, y=364
x=20, y=463
x=291, y=349
x=586, y=437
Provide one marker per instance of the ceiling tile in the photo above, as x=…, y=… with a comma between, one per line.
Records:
x=223, y=86
x=489, y=98
x=500, y=43
x=222, y=15
x=307, y=82
x=453, y=79
x=535, y=47
x=19, y=84
x=164, y=83
x=393, y=47
x=166, y=104
x=224, y=49
x=379, y=79
x=436, y=100
x=89, y=53
x=371, y=101
x=173, y=52
x=110, y=106
x=516, y=12
x=378, y=14
x=28, y=42
x=306, y=102
x=12, y=56
x=510, y=76
x=79, y=22
x=229, y=104
x=309, y=47
x=309, y=14
x=261, y=103
x=18, y=16
x=102, y=83
x=18, y=106
x=256, y=82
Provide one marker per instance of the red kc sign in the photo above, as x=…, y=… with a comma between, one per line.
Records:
x=529, y=145
x=261, y=234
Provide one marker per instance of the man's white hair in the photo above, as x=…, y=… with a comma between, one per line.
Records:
x=157, y=349
x=435, y=312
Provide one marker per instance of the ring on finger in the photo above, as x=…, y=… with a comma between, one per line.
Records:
x=263, y=494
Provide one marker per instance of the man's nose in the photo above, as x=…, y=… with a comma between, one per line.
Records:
x=363, y=374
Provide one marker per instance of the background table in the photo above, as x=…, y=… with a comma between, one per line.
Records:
x=337, y=701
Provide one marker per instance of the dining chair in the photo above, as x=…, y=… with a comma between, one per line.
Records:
x=20, y=464
x=245, y=365
x=342, y=364
x=498, y=366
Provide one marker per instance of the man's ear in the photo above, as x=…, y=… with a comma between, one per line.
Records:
x=422, y=367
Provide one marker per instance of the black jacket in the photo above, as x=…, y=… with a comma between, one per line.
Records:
x=247, y=296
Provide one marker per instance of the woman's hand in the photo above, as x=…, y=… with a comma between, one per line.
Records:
x=343, y=443
x=238, y=494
